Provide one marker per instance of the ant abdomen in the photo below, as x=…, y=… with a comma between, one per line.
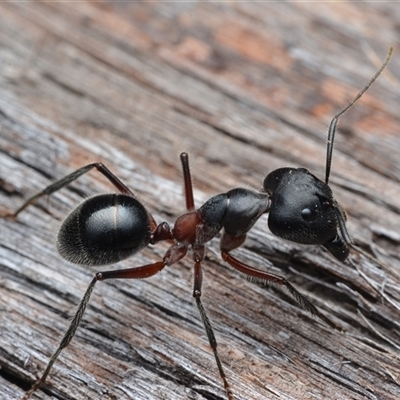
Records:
x=103, y=230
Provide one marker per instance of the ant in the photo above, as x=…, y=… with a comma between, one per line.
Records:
x=108, y=228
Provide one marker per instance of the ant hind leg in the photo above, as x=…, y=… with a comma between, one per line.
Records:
x=130, y=273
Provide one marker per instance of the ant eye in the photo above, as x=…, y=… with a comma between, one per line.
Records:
x=308, y=214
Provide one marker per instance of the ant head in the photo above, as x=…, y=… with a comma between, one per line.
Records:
x=303, y=210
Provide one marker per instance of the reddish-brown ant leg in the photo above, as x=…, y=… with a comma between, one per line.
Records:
x=229, y=242
x=187, y=179
x=198, y=281
x=130, y=273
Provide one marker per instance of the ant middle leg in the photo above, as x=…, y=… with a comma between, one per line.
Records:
x=198, y=281
x=230, y=242
x=187, y=179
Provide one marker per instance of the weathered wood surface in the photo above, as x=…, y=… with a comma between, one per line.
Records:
x=245, y=88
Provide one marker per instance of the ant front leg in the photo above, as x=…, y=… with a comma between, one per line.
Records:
x=230, y=242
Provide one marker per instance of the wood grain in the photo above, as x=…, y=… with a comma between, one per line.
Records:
x=244, y=88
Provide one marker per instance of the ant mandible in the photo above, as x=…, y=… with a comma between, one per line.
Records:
x=108, y=228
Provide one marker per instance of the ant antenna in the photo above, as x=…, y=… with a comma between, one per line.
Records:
x=333, y=124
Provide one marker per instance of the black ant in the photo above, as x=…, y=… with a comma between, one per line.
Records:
x=108, y=228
